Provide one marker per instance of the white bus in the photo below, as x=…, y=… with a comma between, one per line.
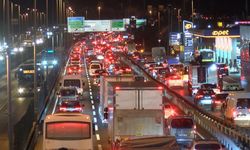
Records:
x=68, y=130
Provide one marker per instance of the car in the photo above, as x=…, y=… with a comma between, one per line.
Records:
x=206, y=145
x=204, y=97
x=93, y=67
x=210, y=86
x=183, y=128
x=174, y=80
x=222, y=69
x=68, y=93
x=70, y=106
x=218, y=102
x=74, y=69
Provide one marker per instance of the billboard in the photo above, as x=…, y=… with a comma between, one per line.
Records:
x=75, y=24
x=97, y=25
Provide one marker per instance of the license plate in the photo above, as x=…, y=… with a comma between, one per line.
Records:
x=182, y=135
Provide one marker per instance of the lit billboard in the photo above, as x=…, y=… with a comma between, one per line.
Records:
x=75, y=24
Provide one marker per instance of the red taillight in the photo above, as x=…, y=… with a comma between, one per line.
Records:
x=234, y=114
x=117, y=88
x=62, y=109
x=160, y=88
x=213, y=95
x=78, y=108
x=217, y=102
x=226, y=67
x=199, y=96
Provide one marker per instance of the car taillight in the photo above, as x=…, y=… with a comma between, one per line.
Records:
x=226, y=67
x=78, y=108
x=199, y=96
x=234, y=114
x=62, y=108
x=217, y=102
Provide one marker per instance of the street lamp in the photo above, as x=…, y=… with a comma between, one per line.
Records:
x=99, y=12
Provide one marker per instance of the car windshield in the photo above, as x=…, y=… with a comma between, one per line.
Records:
x=182, y=123
x=207, y=146
x=72, y=82
x=68, y=92
x=243, y=103
x=70, y=103
x=95, y=67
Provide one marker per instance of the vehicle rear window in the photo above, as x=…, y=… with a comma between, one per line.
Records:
x=68, y=130
x=209, y=86
x=243, y=103
x=69, y=103
x=95, y=67
x=182, y=123
x=207, y=146
x=208, y=92
x=221, y=96
x=68, y=92
x=72, y=82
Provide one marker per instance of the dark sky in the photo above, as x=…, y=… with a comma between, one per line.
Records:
x=207, y=7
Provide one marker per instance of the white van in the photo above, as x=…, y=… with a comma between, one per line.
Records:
x=93, y=67
x=77, y=81
x=237, y=106
x=69, y=131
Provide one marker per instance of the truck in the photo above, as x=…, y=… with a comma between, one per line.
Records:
x=105, y=85
x=135, y=110
x=159, y=54
x=199, y=74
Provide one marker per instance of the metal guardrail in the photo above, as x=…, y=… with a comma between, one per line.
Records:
x=231, y=135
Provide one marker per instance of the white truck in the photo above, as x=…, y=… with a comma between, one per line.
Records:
x=201, y=74
x=135, y=110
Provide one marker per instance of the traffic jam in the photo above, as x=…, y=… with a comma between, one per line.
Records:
x=132, y=108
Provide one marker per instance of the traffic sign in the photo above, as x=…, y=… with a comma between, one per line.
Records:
x=75, y=24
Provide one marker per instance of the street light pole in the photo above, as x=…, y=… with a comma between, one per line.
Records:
x=47, y=13
x=99, y=12
x=192, y=3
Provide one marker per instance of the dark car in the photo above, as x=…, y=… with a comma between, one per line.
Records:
x=204, y=97
x=219, y=101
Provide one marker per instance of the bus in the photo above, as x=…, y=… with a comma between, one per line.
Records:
x=25, y=78
x=68, y=131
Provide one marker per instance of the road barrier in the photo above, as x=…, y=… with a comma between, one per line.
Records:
x=231, y=135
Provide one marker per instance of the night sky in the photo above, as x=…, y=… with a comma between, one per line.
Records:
x=206, y=7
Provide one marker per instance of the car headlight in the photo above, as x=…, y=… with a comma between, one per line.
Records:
x=20, y=90
x=54, y=62
x=44, y=62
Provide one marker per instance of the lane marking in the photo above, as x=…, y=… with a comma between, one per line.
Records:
x=96, y=127
x=95, y=120
x=92, y=102
x=99, y=147
x=202, y=137
x=90, y=93
x=94, y=113
x=90, y=90
x=93, y=107
x=98, y=137
x=91, y=97
x=54, y=109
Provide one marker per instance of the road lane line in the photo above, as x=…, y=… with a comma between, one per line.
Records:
x=91, y=97
x=54, y=109
x=92, y=102
x=99, y=147
x=93, y=107
x=202, y=137
x=94, y=113
x=96, y=127
x=98, y=137
x=95, y=120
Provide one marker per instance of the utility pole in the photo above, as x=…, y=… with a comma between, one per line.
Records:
x=35, y=70
x=192, y=3
x=47, y=13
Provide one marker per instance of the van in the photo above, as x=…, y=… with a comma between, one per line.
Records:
x=93, y=67
x=237, y=106
x=183, y=128
x=77, y=81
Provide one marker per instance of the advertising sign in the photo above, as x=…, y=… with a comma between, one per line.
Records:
x=140, y=22
x=97, y=25
x=75, y=24
x=174, y=38
x=188, y=41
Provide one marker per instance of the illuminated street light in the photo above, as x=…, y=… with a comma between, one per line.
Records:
x=1, y=57
x=99, y=12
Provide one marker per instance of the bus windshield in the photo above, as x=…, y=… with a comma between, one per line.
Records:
x=182, y=123
x=68, y=130
x=72, y=82
x=243, y=103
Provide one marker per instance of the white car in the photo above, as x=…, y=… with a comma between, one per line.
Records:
x=175, y=81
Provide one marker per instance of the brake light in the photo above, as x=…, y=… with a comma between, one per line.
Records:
x=62, y=109
x=217, y=102
x=160, y=88
x=213, y=95
x=128, y=69
x=78, y=108
x=226, y=67
x=199, y=96
x=117, y=88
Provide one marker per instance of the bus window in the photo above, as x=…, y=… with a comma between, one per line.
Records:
x=68, y=130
